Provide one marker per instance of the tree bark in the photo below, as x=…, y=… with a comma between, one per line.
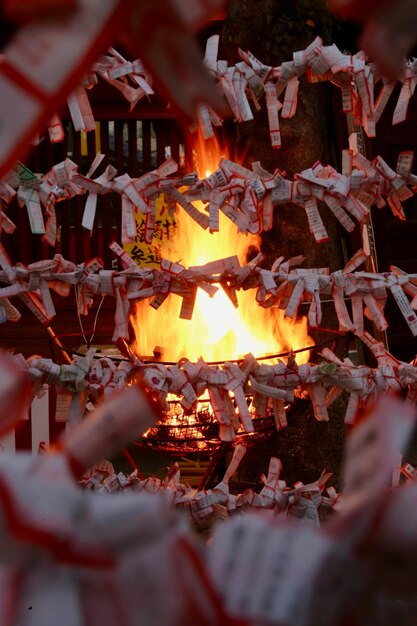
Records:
x=272, y=30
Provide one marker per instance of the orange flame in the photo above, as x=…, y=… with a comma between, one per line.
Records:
x=218, y=331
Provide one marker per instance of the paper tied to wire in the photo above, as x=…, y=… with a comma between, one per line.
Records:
x=307, y=573
x=34, y=294
x=100, y=185
x=294, y=565
x=238, y=392
x=70, y=556
x=139, y=195
x=301, y=568
x=372, y=493
x=7, y=193
x=244, y=82
x=249, y=79
x=284, y=286
x=116, y=70
x=250, y=198
x=275, y=499
x=28, y=195
x=71, y=563
x=37, y=78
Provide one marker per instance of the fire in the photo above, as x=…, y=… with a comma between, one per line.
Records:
x=218, y=331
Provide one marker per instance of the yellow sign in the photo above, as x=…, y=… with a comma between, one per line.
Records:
x=145, y=254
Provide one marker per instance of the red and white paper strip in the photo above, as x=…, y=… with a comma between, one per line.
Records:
x=43, y=62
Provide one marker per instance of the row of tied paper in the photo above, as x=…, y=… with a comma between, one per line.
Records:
x=71, y=544
x=250, y=198
x=238, y=392
x=285, y=286
x=248, y=81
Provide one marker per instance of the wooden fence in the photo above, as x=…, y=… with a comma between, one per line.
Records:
x=132, y=146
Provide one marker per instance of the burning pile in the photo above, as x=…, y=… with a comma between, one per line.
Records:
x=218, y=330
x=211, y=323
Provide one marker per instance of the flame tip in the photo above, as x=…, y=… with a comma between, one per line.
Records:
x=217, y=328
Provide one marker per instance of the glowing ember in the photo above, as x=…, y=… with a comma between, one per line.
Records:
x=217, y=331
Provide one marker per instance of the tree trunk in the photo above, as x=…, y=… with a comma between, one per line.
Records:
x=272, y=31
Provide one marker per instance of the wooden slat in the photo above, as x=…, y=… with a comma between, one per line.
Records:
x=132, y=137
x=146, y=145
x=90, y=242
x=28, y=336
x=132, y=148
x=174, y=142
x=55, y=428
x=24, y=435
x=161, y=142
x=120, y=166
x=106, y=202
x=118, y=145
x=40, y=421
